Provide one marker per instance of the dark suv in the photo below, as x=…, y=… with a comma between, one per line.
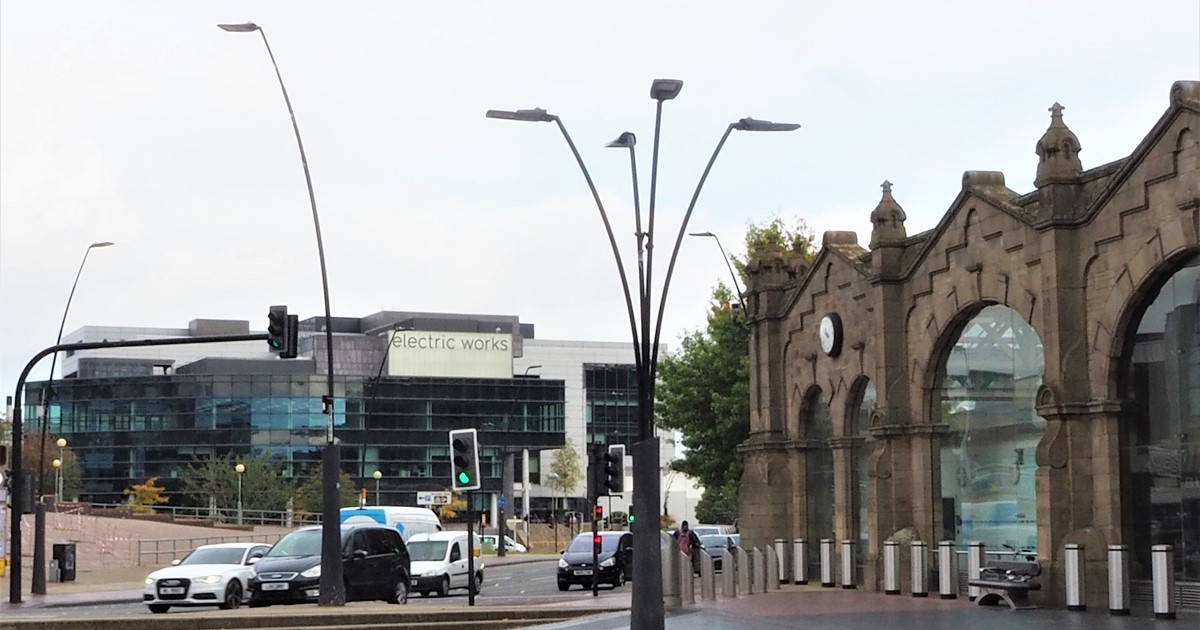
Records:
x=375, y=565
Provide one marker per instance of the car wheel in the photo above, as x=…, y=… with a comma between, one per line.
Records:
x=159, y=609
x=563, y=586
x=443, y=586
x=478, y=582
x=399, y=591
x=233, y=596
x=620, y=579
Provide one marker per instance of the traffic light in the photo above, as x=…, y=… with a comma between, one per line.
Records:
x=595, y=476
x=3, y=456
x=599, y=512
x=630, y=514
x=291, y=335
x=277, y=325
x=464, y=459
x=596, y=544
x=614, y=469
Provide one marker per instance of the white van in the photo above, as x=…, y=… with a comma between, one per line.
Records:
x=439, y=562
x=407, y=520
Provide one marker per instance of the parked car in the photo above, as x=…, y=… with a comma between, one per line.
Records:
x=439, y=562
x=615, y=560
x=375, y=565
x=211, y=575
x=714, y=544
x=510, y=545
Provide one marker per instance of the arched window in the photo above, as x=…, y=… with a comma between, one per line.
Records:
x=818, y=429
x=860, y=454
x=988, y=386
x=1160, y=437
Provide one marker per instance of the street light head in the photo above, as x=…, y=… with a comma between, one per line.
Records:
x=62, y=443
x=247, y=27
x=536, y=114
x=57, y=463
x=377, y=475
x=240, y=468
x=99, y=244
x=750, y=124
x=624, y=141
x=665, y=89
x=702, y=234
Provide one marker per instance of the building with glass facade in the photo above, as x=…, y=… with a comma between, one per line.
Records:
x=1026, y=374
x=403, y=381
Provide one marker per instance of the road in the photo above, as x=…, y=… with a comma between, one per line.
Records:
x=514, y=585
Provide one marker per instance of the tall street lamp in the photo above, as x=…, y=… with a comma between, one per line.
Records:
x=46, y=393
x=331, y=588
x=240, y=469
x=647, y=609
x=377, y=475
x=737, y=287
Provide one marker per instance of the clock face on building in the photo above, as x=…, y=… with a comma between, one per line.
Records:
x=831, y=334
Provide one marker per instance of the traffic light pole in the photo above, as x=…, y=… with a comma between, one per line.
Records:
x=18, y=480
x=595, y=554
x=470, y=551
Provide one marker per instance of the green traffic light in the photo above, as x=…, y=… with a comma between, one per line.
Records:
x=630, y=518
x=274, y=343
x=464, y=478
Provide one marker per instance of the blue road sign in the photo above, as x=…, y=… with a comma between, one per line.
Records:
x=500, y=502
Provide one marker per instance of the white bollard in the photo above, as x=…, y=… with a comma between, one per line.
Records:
x=771, y=582
x=947, y=570
x=670, y=575
x=708, y=585
x=744, y=569
x=800, y=561
x=728, y=573
x=758, y=580
x=1162, y=566
x=1118, y=580
x=848, y=564
x=1074, y=566
x=891, y=567
x=974, y=567
x=687, y=582
x=781, y=556
x=920, y=569
x=827, y=563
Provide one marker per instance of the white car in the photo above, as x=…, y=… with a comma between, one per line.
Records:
x=489, y=542
x=211, y=575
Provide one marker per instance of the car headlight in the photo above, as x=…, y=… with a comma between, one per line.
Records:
x=430, y=573
x=313, y=572
x=608, y=563
x=562, y=564
x=209, y=579
x=149, y=580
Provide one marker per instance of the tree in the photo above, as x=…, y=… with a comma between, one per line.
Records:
x=564, y=469
x=144, y=496
x=704, y=387
x=309, y=497
x=72, y=475
x=214, y=479
x=458, y=503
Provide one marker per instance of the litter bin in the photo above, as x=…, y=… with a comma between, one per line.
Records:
x=64, y=555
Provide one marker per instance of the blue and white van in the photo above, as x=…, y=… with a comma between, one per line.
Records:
x=407, y=520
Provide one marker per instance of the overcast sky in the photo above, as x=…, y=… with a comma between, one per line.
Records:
x=143, y=124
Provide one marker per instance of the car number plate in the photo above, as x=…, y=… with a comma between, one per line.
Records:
x=171, y=590
x=583, y=572
x=275, y=586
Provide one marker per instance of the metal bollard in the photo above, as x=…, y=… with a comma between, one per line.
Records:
x=891, y=567
x=827, y=562
x=847, y=564
x=758, y=579
x=728, y=573
x=1118, y=580
x=800, y=561
x=708, y=586
x=687, y=581
x=920, y=569
x=1162, y=566
x=670, y=576
x=974, y=567
x=1074, y=565
x=947, y=570
x=744, y=568
x=771, y=577
x=781, y=557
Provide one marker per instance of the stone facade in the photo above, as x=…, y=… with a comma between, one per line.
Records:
x=1075, y=258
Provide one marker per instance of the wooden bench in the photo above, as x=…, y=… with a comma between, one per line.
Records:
x=1008, y=581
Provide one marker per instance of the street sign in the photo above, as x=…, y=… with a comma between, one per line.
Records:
x=433, y=498
x=500, y=502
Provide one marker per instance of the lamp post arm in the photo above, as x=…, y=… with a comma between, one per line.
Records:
x=638, y=234
x=737, y=287
x=611, y=239
x=648, y=356
x=675, y=252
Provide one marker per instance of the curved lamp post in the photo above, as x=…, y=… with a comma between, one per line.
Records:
x=240, y=469
x=331, y=586
x=377, y=475
x=737, y=287
x=46, y=394
x=647, y=609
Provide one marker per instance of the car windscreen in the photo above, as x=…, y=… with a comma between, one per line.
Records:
x=584, y=543
x=714, y=540
x=215, y=555
x=426, y=550
x=305, y=542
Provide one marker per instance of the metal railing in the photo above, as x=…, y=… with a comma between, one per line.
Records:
x=152, y=551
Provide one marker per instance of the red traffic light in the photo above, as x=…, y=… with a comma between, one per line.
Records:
x=596, y=540
x=599, y=511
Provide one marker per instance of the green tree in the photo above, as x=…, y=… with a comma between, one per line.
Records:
x=564, y=470
x=308, y=496
x=704, y=387
x=214, y=479
x=31, y=460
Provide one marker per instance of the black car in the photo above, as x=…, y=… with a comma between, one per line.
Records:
x=714, y=544
x=615, y=558
x=375, y=565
